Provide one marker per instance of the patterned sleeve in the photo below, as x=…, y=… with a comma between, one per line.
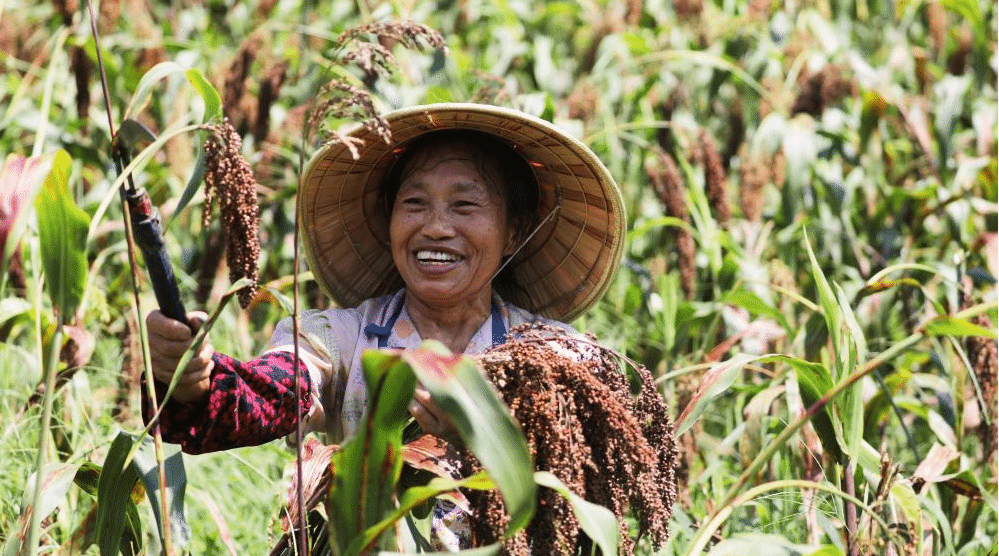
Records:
x=248, y=404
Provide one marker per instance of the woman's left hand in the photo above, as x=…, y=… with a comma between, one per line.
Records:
x=431, y=418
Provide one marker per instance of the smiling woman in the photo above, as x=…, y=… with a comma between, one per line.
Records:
x=450, y=230
x=472, y=221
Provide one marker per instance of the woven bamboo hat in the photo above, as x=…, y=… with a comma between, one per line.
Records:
x=561, y=271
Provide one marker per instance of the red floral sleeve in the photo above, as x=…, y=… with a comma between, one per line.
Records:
x=248, y=404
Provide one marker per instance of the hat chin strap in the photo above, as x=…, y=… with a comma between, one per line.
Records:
x=527, y=239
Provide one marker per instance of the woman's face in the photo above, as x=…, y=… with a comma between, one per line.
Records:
x=449, y=229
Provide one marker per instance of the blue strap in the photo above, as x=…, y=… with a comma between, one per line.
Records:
x=499, y=329
x=383, y=331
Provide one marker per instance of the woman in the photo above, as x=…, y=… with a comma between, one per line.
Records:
x=473, y=220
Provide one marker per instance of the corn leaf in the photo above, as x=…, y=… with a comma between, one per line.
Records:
x=114, y=497
x=62, y=231
x=950, y=326
x=144, y=461
x=369, y=465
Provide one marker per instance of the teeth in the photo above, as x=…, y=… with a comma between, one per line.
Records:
x=435, y=256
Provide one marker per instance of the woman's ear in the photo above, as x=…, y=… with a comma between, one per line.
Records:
x=512, y=239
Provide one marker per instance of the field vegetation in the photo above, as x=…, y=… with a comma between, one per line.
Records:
x=809, y=274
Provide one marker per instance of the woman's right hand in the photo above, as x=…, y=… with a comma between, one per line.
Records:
x=168, y=340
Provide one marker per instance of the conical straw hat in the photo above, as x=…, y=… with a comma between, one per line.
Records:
x=560, y=273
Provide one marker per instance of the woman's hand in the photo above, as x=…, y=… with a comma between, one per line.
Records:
x=168, y=340
x=431, y=418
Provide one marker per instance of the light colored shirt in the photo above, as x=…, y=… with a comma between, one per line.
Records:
x=333, y=340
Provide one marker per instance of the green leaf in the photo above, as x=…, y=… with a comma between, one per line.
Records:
x=950, y=326
x=715, y=382
x=972, y=13
x=210, y=96
x=828, y=550
x=756, y=306
x=369, y=465
x=62, y=232
x=905, y=498
x=852, y=402
x=144, y=462
x=484, y=423
x=87, y=476
x=814, y=381
x=417, y=495
x=598, y=522
x=873, y=107
x=213, y=102
x=193, y=183
x=114, y=495
x=830, y=310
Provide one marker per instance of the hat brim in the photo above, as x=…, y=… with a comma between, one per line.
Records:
x=560, y=273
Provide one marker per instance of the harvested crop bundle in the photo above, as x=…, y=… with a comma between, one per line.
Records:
x=583, y=424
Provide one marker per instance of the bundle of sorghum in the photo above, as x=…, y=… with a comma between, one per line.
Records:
x=583, y=423
x=229, y=177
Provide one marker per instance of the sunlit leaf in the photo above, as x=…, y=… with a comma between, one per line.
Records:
x=369, y=464
x=151, y=78
x=62, y=231
x=872, y=109
x=715, y=382
x=949, y=326
x=213, y=102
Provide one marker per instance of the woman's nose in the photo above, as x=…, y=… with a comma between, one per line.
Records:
x=439, y=223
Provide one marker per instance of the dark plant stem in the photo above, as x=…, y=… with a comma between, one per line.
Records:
x=299, y=493
x=848, y=486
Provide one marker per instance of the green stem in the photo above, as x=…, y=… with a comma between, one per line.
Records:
x=51, y=362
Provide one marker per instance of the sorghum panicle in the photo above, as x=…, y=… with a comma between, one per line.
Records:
x=714, y=177
x=229, y=177
x=583, y=425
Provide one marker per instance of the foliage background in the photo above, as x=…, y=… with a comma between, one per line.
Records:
x=867, y=127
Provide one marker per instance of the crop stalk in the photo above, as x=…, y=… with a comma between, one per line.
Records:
x=51, y=362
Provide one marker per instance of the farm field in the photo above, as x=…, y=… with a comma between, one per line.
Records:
x=809, y=270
